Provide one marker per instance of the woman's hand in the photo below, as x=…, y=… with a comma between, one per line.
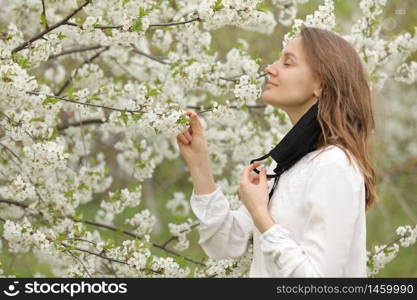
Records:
x=253, y=190
x=192, y=142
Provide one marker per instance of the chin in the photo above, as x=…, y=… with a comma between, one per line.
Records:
x=268, y=98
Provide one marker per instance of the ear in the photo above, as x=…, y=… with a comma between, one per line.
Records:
x=317, y=91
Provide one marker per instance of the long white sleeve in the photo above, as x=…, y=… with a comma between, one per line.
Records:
x=224, y=233
x=333, y=205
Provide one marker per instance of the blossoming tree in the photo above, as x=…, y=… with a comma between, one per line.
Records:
x=75, y=75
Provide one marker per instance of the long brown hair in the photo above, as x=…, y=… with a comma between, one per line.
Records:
x=345, y=111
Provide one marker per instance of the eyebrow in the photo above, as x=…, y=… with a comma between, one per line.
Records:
x=289, y=54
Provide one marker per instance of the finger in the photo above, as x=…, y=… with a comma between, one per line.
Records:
x=249, y=168
x=253, y=177
x=188, y=136
x=262, y=176
x=182, y=138
x=195, y=123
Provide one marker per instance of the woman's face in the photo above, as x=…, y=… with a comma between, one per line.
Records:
x=292, y=85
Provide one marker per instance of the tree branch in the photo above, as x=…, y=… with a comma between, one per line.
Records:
x=88, y=61
x=105, y=257
x=79, y=260
x=76, y=124
x=162, y=61
x=19, y=124
x=76, y=50
x=41, y=34
x=118, y=27
x=88, y=104
x=100, y=121
x=136, y=50
x=112, y=228
x=176, y=23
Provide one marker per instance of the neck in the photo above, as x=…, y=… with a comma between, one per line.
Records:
x=295, y=113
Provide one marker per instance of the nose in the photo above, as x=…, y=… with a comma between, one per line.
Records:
x=271, y=70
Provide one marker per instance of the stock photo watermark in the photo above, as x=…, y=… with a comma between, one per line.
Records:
x=61, y=288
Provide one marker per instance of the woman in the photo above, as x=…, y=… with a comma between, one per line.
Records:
x=314, y=224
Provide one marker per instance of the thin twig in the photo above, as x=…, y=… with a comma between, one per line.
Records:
x=84, y=122
x=162, y=61
x=56, y=25
x=87, y=104
x=104, y=257
x=19, y=124
x=136, y=50
x=175, y=23
x=109, y=227
x=112, y=228
x=119, y=27
x=80, y=261
x=75, y=50
x=44, y=14
x=88, y=61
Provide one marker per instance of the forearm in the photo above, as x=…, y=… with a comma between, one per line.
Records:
x=263, y=220
x=202, y=177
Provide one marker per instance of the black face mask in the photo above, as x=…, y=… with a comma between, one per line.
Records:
x=300, y=140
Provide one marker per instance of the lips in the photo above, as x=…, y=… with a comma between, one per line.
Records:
x=270, y=82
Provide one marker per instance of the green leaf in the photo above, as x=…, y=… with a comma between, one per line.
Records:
x=209, y=50
x=181, y=261
x=180, y=219
x=70, y=92
x=79, y=21
x=69, y=180
x=140, y=164
x=149, y=262
x=6, y=79
x=137, y=25
x=93, y=98
x=262, y=7
x=258, y=60
x=83, y=186
x=124, y=117
x=49, y=100
x=183, y=120
x=21, y=60
x=150, y=91
x=137, y=116
x=69, y=194
x=108, y=32
x=61, y=36
x=55, y=135
x=110, y=244
x=116, y=196
x=39, y=119
x=217, y=5
x=143, y=12
x=43, y=19
x=61, y=237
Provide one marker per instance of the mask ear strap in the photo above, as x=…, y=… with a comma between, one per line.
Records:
x=273, y=187
x=259, y=159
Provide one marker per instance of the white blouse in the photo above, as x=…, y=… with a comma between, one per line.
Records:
x=319, y=210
